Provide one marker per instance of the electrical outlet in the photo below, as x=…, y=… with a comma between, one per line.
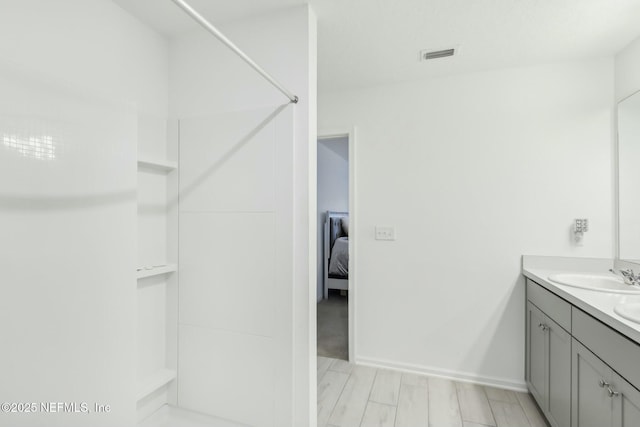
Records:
x=385, y=233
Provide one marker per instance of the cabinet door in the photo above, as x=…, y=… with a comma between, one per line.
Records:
x=591, y=404
x=626, y=403
x=549, y=366
x=537, y=355
x=558, y=374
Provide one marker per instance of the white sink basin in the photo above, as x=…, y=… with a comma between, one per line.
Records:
x=630, y=311
x=595, y=282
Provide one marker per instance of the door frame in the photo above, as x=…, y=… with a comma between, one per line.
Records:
x=350, y=134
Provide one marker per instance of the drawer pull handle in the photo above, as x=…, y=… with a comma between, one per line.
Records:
x=603, y=384
x=612, y=393
x=543, y=326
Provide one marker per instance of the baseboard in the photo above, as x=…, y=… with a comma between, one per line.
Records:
x=443, y=373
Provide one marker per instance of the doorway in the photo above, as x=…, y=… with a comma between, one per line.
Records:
x=336, y=242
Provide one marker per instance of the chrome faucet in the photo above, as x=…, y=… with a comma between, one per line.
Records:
x=629, y=277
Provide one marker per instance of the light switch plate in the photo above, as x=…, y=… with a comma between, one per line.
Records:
x=385, y=233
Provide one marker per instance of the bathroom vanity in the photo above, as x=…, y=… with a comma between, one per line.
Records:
x=583, y=321
x=582, y=358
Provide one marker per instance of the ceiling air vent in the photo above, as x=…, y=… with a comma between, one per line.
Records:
x=435, y=54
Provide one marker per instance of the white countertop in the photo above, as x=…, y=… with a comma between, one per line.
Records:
x=598, y=304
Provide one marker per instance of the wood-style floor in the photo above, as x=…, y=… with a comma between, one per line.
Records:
x=360, y=396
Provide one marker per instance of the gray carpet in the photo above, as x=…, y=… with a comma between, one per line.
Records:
x=333, y=327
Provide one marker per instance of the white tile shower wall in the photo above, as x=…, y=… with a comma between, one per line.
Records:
x=152, y=218
x=237, y=383
x=152, y=136
x=152, y=191
x=67, y=223
x=94, y=48
x=235, y=266
x=239, y=153
x=207, y=80
x=219, y=290
x=475, y=170
x=150, y=328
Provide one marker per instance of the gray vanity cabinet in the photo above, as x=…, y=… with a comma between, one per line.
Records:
x=601, y=397
x=592, y=407
x=626, y=405
x=581, y=371
x=609, y=387
x=537, y=354
x=548, y=370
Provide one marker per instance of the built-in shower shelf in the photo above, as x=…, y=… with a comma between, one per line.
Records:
x=156, y=270
x=159, y=165
x=154, y=382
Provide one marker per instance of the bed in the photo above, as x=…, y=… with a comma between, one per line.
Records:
x=336, y=251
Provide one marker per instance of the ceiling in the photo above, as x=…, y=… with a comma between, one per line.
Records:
x=373, y=42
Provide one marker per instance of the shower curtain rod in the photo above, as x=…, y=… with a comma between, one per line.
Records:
x=213, y=30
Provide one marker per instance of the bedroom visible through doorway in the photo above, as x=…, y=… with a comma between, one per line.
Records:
x=333, y=290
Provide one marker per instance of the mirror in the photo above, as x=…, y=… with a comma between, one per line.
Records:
x=629, y=178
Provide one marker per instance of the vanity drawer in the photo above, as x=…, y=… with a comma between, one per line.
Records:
x=622, y=354
x=552, y=305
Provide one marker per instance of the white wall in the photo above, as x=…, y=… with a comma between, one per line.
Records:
x=628, y=70
x=246, y=221
x=85, y=71
x=473, y=171
x=333, y=190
